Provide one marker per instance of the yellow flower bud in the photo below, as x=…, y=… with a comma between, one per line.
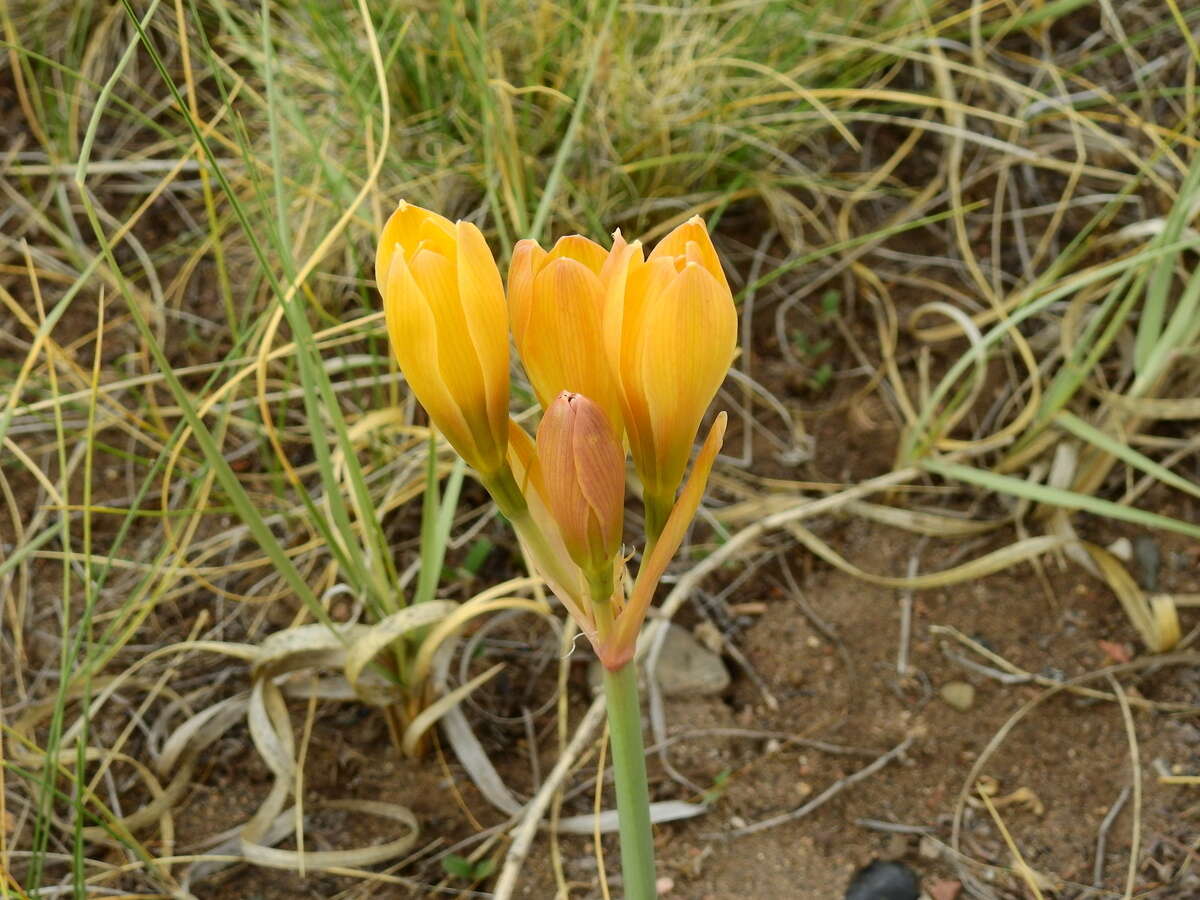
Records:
x=446, y=318
x=670, y=331
x=582, y=469
x=556, y=307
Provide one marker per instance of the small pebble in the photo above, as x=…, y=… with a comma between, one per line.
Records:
x=929, y=848
x=884, y=881
x=686, y=668
x=958, y=694
x=1146, y=555
x=1122, y=549
x=945, y=890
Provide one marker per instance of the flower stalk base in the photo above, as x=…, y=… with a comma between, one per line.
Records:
x=629, y=770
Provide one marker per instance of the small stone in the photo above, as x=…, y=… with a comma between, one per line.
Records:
x=664, y=885
x=958, y=694
x=945, y=890
x=1122, y=549
x=1147, y=556
x=710, y=636
x=685, y=668
x=884, y=881
x=929, y=848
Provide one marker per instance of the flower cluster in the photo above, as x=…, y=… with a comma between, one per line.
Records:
x=623, y=350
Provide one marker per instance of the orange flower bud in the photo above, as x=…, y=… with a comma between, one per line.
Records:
x=556, y=307
x=670, y=330
x=444, y=303
x=582, y=468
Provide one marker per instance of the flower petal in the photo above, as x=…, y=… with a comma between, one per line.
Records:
x=580, y=249
x=646, y=286
x=693, y=231
x=564, y=343
x=481, y=294
x=556, y=461
x=458, y=360
x=527, y=259
x=686, y=344
x=404, y=230
x=413, y=330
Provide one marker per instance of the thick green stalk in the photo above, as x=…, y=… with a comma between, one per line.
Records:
x=629, y=769
x=657, y=511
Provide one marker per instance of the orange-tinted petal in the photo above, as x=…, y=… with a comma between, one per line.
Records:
x=527, y=259
x=580, y=249
x=556, y=461
x=563, y=348
x=685, y=346
x=643, y=284
x=623, y=641
x=600, y=470
x=693, y=231
x=583, y=471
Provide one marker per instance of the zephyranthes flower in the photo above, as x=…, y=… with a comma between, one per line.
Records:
x=670, y=330
x=582, y=468
x=612, y=343
x=447, y=321
x=556, y=307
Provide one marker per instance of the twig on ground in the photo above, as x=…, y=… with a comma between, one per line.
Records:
x=532, y=815
x=1135, y=766
x=1102, y=836
x=906, y=600
x=894, y=827
x=832, y=791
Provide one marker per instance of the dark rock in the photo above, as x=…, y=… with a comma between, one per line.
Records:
x=884, y=881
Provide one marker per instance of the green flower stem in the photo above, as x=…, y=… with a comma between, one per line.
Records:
x=629, y=769
x=657, y=510
x=506, y=492
x=511, y=502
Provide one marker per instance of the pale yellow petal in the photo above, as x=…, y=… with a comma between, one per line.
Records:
x=481, y=294
x=404, y=230
x=413, y=330
x=458, y=361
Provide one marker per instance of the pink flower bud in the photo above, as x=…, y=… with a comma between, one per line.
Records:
x=583, y=472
